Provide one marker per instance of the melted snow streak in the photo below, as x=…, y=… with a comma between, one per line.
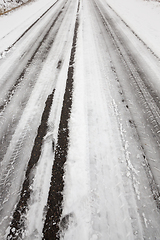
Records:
x=147, y=97
x=16, y=228
x=54, y=205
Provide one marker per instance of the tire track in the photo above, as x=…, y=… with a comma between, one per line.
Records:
x=43, y=47
x=30, y=73
x=17, y=225
x=54, y=206
x=29, y=28
x=143, y=90
x=52, y=74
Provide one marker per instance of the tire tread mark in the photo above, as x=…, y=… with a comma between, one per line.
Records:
x=18, y=220
x=154, y=188
x=51, y=228
x=21, y=76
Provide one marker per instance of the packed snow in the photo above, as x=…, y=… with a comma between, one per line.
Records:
x=97, y=203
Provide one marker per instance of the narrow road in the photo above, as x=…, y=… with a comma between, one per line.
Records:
x=79, y=129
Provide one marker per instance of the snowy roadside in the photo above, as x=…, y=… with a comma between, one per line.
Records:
x=15, y=23
x=143, y=17
x=6, y=6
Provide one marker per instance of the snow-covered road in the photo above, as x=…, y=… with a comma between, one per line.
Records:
x=79, y=126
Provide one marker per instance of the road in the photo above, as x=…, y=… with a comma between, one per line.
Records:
x=79, y=135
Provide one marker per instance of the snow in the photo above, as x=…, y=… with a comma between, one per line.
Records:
x=143, y=17
x=31, y=114
x=99, y=172
x=77, y=168
x=93, y=184
x=96, y=200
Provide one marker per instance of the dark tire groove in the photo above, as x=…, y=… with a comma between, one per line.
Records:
x=39, y=56
x=51, y=228
x=18, y=217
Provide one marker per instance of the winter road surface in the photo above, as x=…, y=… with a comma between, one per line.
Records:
x=79, y=128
